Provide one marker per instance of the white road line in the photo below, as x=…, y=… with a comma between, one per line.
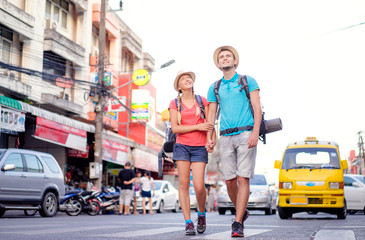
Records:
x=144, y=232
x=63, y=230
x=227, y=234
x=335, y=234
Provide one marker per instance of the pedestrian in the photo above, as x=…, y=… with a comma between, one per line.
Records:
x=188, y=122
x=147, y=186
x=239, y=131
x=137, y=189
x=126, y=178
x=212, y=195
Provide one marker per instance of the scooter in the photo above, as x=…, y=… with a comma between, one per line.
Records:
x=71, y=203
x=109, y=200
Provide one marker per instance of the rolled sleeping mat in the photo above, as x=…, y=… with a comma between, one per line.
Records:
x=273, y=125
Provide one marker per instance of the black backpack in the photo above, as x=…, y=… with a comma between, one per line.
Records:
x=242, y=80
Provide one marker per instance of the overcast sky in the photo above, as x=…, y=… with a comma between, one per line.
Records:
x=308, y=57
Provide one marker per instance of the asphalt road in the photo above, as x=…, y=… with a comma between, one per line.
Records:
x=168, y=226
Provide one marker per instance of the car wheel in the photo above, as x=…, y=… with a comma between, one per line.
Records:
x=73, y=207
x=161, y=207
x=273, y=211
x=342, y=213
x=49, y=206
x=177, y=207
x=2, y=212
x=30, y=212
x=284, y=213
x=268, y=211
x=221, y=211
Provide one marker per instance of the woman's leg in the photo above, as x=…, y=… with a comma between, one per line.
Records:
x=144, y=205
x=135, y=205
x=150, y=202
x=198, y=169
x=183, y=168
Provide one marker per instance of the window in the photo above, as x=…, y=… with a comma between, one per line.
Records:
x=33, y=163
x=348, y=181
x=52, y=164
x=325, y=158
x=16, y=159
x=6, y=40
x=57, y=10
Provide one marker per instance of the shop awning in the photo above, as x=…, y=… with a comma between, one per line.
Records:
x=9, y=102
x=39, y=112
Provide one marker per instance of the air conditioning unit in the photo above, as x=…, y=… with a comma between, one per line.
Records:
x=54, y=25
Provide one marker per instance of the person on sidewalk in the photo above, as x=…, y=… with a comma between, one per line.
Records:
x=126, y=178
x=136, y=189
x=188, y=123
x=239, y=131
x=147, y=186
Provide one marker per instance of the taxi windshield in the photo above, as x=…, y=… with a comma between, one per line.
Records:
x=311, y=158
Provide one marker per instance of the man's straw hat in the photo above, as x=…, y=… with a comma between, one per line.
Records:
x=220, y=49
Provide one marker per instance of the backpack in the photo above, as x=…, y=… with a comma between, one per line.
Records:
x=242, y=80
x=169, y=145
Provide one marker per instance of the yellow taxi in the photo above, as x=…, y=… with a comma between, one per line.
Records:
x=311, y=179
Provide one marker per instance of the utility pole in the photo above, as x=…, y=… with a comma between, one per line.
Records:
x=361, y=155
x=99, y=108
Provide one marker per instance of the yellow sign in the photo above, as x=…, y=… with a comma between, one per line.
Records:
x=141, y=77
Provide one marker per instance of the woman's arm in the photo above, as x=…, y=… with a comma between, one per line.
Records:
x=176, y=128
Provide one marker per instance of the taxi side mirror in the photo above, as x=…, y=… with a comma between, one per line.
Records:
x=277, y=164
x=344, y=164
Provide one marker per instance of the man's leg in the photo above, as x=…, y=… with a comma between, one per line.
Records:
x=121, y=201
x=232, y=190
x=243, y=194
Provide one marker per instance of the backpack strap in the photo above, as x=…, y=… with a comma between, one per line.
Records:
x=201, y=106
x=217, y=84
x=242, y=80
x=176, y=105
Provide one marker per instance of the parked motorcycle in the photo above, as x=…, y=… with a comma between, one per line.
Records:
x=109, y=200
x=72, y=203
x=90, y=202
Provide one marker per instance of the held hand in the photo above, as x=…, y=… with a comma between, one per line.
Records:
x=253, y=140
x=205, y=127
x=210, y=146
x=125, y=182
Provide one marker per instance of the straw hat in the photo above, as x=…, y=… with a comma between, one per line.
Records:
x=179, y=74
x=220, y=49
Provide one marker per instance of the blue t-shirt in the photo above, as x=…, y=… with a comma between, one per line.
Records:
x=234, y=105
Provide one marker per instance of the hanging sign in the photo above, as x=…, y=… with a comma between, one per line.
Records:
x=140, y=77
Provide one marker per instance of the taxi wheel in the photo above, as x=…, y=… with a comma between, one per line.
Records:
x=284, y=213
x=342, y=213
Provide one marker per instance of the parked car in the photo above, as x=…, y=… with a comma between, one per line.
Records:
x=262, y=197
x=30, y=180
x=166, y=197
x=354, y=192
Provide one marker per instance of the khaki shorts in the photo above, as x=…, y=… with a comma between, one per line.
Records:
x=235, y=156
x=126, y=196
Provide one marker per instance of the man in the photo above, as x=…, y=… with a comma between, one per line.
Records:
x=239, y=132
x=126, y=177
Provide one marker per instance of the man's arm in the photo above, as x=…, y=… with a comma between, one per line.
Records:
x=255, y=101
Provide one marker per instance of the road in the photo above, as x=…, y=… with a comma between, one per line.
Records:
x=168, y=226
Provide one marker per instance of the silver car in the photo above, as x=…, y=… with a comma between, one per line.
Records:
x=354, y=192
x=262, y=197
x=30, y=180
x=166, y=197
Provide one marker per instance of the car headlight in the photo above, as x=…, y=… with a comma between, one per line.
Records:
x=286, y=185
x=334, y=185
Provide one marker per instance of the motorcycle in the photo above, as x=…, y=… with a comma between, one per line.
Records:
x=90, y=202
x=71, y=203
x=109, y=200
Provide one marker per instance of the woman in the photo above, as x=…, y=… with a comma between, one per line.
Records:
x=188, y=122
x=137, y=188
x=147, y=185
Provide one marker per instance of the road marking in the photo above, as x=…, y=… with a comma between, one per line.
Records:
x=62, y=230
x=335, y=234
x=227, y=234
x=144, y=232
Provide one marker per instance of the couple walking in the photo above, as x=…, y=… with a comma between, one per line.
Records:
x=196, y=137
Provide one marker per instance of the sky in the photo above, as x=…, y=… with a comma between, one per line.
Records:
x=308, y=57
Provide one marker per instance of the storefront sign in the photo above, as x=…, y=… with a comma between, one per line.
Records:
x=140, y=100
x=154, y=140
x=169, y=168
x=114, y=152
x=77, y=153
x=60, y=134
x=12, y=120
x=145, y=160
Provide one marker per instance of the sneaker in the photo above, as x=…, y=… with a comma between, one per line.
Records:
x=189, y=229
x=245, y=215
x=237, y=229
x=201, y=224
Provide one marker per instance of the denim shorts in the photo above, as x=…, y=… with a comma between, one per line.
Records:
x=146, y=194
x=190, y=153
x=236, y=158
